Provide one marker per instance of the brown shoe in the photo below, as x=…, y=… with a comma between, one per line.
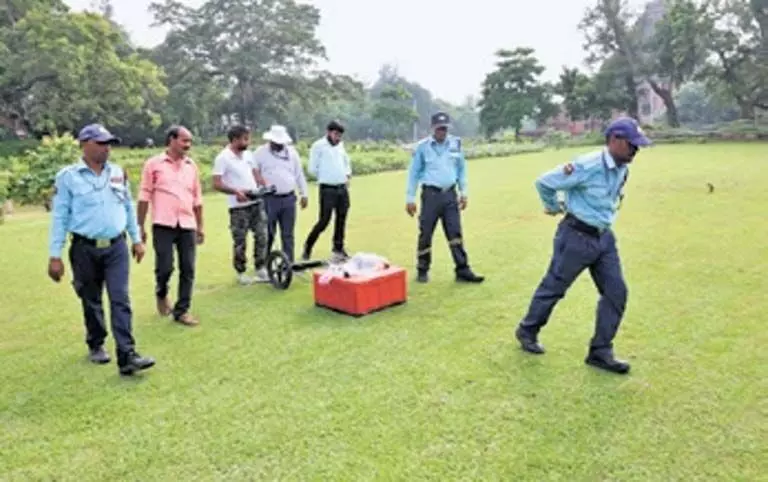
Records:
x=164, y=306
x=186, y=319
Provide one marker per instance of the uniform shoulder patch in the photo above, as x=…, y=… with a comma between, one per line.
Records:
x=568, y=169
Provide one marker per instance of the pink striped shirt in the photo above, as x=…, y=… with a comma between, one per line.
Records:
x=173, y=189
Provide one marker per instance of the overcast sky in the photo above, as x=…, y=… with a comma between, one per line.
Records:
x=446, y=49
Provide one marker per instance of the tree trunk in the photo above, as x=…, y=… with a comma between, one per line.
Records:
x=632, y=109
x=747, y=109
x=669, y=102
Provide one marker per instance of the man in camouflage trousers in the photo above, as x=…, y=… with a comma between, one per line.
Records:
x=233, y=174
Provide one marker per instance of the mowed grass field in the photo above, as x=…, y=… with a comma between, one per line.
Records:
x=271, y=388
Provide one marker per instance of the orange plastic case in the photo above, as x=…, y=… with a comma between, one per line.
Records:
x=361, y=295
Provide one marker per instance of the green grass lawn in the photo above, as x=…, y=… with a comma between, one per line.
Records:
x=271, y=388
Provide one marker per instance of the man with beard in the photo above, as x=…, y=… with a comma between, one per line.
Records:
x=593, y=186
x=233, y=175
x=170, y=182
x=92, y=201
x=330, y=165
x=278, y=163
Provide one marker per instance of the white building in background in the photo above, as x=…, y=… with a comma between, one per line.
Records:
x=650, y=107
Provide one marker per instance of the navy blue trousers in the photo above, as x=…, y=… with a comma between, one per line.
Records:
x=444, y=206
x=575, y=251
x=281, y=211
x=92, y=269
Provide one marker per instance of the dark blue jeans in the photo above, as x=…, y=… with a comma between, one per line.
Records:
x=575, y=251
x=281, y=211
x=92, y=269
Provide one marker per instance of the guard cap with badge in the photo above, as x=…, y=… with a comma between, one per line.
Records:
x=98, y=134
x=440, y=119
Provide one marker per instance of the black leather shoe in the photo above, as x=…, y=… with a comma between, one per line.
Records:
x=528, y=341
x=607, y=362
x=98, y=356
x=467, y=276
x=130, y=363
x=422, y=277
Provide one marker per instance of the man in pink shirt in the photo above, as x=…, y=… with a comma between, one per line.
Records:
x=170, y=182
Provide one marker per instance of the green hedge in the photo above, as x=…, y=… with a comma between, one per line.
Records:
x=363, y=162
x=737, y=131
x=367, y=157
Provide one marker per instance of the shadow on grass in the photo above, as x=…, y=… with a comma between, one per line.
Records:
x=319, y=315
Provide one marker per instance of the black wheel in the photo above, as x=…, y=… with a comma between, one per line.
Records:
x=279, y=270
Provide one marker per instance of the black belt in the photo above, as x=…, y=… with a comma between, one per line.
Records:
x=333, y=186
x=581, y=226
x=286, y=194
x=439, y=189
x=99, y=243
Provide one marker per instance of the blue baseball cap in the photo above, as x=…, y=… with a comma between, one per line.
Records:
x=97, y=133
x=628, y=128
x=441, y=119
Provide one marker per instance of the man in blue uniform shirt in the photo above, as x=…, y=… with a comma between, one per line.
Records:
x=593, y=186
x=93, y=202
x=438, y=164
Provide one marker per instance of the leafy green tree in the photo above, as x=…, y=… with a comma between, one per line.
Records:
x=513, y=92
x=264, y=52
x=394, y=110
x=609, y=43
x=738, y=40
x=675, y=51
x=60, y=70
x=698, y=105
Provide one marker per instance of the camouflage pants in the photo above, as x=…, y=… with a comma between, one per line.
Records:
x=251, y=218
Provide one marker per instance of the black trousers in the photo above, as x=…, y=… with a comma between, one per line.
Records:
x=334, y=199
x=92, y=269
x=164, y=240
x=440, y=205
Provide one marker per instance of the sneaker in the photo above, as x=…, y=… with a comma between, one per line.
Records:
x=244, y=279
x=261, y=276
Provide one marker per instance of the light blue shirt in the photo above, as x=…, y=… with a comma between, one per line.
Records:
x=93, y=206
x=329, y=164
x=437, y=164
x=592, y=190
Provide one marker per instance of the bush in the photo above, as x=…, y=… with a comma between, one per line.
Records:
x=33, y=175
x=16, y=147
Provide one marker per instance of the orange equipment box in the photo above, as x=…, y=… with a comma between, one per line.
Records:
x=361, y=295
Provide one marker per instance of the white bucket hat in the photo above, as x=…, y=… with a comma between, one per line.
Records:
x=278, y=134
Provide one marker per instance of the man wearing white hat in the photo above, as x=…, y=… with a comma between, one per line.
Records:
x=233, y=174
x=278, y=164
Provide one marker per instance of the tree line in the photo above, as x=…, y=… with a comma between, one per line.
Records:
x=227, y=61
x=706, y=60
x=256, y=62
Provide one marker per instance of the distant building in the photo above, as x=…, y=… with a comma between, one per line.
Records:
x=649, y=105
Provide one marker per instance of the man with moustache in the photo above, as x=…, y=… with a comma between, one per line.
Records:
x=92, y=201
x=593, y=186
x=233, y=174
x=170, y=182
